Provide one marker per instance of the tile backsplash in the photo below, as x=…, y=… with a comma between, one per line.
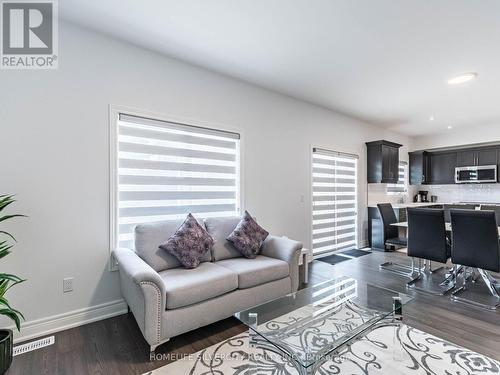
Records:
x=377, y=193
x=487, y=193
x=484, y=193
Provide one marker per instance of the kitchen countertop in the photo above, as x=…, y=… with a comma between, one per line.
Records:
x=412, y=204
x=428, y=204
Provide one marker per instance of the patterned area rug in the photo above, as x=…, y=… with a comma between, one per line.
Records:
x=387, y=350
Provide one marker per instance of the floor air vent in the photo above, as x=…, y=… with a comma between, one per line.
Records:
x=34, y=345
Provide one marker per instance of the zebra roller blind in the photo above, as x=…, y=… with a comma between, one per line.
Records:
x=334, y=189
x=167, y=170
x=400, y=187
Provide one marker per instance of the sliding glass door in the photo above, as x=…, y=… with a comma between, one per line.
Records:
x=334, y=201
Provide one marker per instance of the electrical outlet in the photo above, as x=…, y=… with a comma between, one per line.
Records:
x=67, y=285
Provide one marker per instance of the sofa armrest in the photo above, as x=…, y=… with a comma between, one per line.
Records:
x=143, y=289
x=135, y=268
x=287, y=250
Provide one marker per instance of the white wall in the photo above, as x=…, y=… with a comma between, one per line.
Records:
x=54, y=155
x=458, y=137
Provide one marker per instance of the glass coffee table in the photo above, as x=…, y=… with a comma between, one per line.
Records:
x=315, y=323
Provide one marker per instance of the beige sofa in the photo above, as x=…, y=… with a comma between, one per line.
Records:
x=168, y=300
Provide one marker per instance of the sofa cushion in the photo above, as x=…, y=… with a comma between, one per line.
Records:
x=248, y=236
x=257, y=271
x=189, y=243
x=149, y=237
x=220, y=228
x=188, y=286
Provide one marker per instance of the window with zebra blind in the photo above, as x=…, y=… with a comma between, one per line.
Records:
x=334, y=201
x=164, y=170
x=401, y=186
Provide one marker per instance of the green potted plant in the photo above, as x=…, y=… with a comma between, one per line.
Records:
x=7, y=281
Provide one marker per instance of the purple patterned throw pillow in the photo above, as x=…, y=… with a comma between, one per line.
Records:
x=189, y=243
x=248, y=236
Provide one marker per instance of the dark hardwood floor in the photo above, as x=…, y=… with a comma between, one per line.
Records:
x=116, y=346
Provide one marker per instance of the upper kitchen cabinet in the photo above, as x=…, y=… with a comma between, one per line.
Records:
x=487, y=156
x=419, y=168
x=383, y=162
x=466, y=158
x=443, y=167
x=477, y=156
x=438, y=167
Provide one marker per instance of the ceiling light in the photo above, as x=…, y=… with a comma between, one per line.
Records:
x=431, y=118
x=450, y=127
x=462, y=78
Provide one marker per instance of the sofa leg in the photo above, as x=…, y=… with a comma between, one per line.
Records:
x=152, y=349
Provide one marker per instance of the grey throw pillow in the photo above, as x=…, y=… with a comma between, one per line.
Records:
x=189, y=243
x=248, y=236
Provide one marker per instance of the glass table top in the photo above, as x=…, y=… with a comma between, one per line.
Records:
x=316, y=321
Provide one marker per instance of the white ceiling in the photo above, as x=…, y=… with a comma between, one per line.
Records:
x=384, y=61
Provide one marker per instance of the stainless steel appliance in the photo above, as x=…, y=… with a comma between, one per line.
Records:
x=476, y=174
x=421, y=197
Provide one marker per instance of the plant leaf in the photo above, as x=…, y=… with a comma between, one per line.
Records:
x=13, y=278
x=4, y=251
x=4, y=245
x=6, y=217
x=4, y=301
x=8, y=280
x=4, y=202
x=8, y=234
x=14, y=315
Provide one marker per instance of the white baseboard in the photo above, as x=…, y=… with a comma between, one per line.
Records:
x=45, y=326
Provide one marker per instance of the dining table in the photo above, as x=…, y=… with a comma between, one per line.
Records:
x=404, y=224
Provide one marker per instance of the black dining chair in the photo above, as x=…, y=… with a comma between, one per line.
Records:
x=448, y=207
x=476, y=245
x=496, y=209
x=427, y=241
x=391, y=232
x=392, y=240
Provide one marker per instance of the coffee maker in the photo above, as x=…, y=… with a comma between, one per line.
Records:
x=422, y=196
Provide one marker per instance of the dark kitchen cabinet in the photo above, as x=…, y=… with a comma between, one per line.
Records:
x=443, y=168
x=383, y=162
x=475, y=157
x=419, y=167
x=466, y=158
x=487, y=156
x=438, y=167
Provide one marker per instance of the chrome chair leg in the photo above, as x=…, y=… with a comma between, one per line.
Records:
x=452, y=274
x=491, y=303
x=486, y=278
x=418, y=273
x=466, y=277
x=400, y=269
x=426, y=282
x=433, y=270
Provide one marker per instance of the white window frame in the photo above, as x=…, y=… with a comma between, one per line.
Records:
x=114, y=112
x=311, y=203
